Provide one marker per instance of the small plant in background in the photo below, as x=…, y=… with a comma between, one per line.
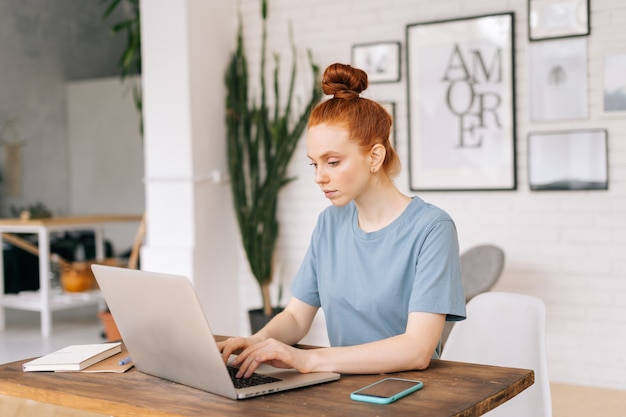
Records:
x=33, y=211
x=130, y=61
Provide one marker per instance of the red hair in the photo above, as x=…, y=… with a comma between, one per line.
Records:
x=367, y=122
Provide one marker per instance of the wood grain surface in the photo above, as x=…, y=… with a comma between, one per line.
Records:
x=450, y=389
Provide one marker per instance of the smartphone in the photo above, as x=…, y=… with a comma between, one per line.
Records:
x=386, y=390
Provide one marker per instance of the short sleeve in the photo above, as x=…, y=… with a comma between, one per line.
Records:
x=438, y=284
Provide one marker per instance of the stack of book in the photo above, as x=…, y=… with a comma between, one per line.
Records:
x=75, y=358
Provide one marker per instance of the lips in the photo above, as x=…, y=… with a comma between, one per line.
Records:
x=329, y=193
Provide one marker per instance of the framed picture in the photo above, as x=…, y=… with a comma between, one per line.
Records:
x=461, y=95
x=390, y=106
x=614, y=85
x=558, y=80
x=381, y=61
x=551, y=19
x=570, y=160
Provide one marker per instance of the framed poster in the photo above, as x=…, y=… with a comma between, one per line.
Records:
x=614, y=85
x=381, y=61
x=551, y=19
x=558, y=80
x=390, y=107
x=461, y=95
x=570, y=160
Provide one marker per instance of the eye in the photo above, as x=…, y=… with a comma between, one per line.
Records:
x=313, y=164
x=333, y=163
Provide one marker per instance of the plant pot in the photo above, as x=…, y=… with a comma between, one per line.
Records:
x=258, y=319
x=110, y=328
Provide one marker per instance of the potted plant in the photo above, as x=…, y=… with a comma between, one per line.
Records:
x=261, y=141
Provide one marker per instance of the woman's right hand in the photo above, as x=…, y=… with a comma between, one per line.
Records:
x=234, y=346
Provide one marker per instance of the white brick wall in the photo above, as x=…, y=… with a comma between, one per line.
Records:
x=568, y=248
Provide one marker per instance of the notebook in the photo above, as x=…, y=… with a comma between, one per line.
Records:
x=73, y=358
x=167, y=335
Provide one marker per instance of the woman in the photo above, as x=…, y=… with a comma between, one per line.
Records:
x=384, y=266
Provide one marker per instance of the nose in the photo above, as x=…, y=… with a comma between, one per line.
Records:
x=320, y=175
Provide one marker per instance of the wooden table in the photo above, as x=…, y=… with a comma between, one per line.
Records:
x=43, y=301
x=450, y=389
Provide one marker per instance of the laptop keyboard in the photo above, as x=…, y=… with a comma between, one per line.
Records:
x=254, y=380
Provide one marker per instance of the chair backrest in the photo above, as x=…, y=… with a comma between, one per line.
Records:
x=481, y=267
x=506, y=329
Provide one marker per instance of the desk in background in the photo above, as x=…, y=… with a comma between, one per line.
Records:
x=451, y=389
x=44, y=301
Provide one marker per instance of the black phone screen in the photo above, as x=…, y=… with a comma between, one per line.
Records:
x=388, y=387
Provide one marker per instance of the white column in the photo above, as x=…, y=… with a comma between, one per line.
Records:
x=190, y=223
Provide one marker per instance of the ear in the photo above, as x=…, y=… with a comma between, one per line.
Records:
x=377, y=156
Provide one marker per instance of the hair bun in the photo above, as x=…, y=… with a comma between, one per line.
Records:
x=344, y=81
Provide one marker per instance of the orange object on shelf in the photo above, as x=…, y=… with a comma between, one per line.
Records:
x=77, y=276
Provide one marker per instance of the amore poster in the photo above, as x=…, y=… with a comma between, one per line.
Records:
x=461, y=95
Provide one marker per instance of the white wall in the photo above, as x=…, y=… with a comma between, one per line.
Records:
x=105, y=153
x=42, y=46
x=567, y=248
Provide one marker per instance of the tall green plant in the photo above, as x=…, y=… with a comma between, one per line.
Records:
x=130, y=60
x=261, y=142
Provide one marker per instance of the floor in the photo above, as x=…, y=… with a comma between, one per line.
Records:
x=578, y=401
x=21, y=339
x=22, y=335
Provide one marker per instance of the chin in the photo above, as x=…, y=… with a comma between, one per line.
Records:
x=339, y=202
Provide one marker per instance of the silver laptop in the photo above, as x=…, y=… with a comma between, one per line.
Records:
x=167, y=335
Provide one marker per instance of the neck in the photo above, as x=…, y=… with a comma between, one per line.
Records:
x=380, y=207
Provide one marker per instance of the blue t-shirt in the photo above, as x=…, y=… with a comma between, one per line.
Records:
x=368, y=283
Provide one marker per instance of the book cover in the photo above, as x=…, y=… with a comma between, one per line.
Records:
x=73, y=358
x=118, y=363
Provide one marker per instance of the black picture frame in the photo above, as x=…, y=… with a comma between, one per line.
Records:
x=557, y=19
x=390, y=106
x=558, y=80
x=461, y=104
x=380, y=60
x=614, y=84
x=569, y=160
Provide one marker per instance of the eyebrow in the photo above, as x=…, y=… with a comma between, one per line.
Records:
x=326, y=154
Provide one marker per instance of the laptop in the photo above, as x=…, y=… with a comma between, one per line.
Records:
x=167, y=335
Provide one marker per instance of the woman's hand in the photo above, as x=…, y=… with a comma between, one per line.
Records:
x=290, y=326
x=234, y=346
x=272, y=352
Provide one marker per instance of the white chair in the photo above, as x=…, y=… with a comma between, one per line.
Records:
x=506, y=329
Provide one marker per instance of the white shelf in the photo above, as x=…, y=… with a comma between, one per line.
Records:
x=54, y=300
x=31, y=300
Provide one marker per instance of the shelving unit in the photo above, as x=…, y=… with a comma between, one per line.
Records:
x=46, y=300
x=31, y=300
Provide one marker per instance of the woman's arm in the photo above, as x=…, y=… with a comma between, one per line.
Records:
x=410, y=350
x=290, y=325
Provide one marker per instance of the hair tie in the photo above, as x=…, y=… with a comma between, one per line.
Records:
x=347, y=94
